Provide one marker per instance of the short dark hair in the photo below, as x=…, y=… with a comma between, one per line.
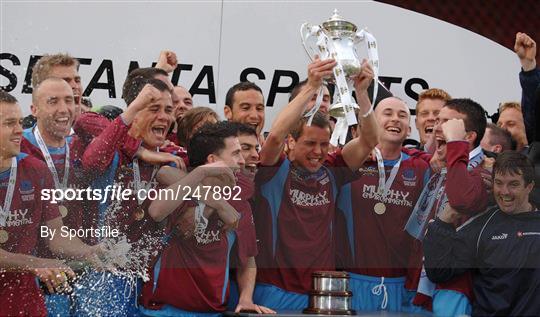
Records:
x=501, y=136
x=6, y=97
x=475, y=116
x=209, y=139
x=241, y=86
x=319, y=120
x=244, y=129
x=137, y=86
x=514, y=163
x=136, y=80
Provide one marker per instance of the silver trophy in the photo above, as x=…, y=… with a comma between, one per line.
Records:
x=338, y=39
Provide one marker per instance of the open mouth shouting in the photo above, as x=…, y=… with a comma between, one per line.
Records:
x=159, y=131
x=63, y=122
x=429, y=129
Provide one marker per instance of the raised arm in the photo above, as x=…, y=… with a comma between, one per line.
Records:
x=161, y=208
x=288, y=117
x=356, y=151
x=99, y=154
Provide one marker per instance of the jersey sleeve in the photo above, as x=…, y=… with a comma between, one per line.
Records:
x=465, y=189
x=340, y=168
x=426, y=157
x=266, y=172
x=530, y=82
x=90, y=125
x=100, y=152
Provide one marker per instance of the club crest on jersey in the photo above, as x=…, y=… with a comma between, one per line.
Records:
x=26, y=187
x=409, y=177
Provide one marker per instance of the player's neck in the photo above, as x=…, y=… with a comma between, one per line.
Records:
x=390, y=151
x=5, y=162
x=51, y=140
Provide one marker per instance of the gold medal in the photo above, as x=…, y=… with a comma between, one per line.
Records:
x=63, y=210
x=139, y=213
x=379, y=208
x=4, y=236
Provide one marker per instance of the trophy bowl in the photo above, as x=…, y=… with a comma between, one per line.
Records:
x=328, y=281
x=341, y=39
x=329, y=303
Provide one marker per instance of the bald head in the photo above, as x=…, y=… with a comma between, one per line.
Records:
x=45, y=85
x=393, y=117
x=392, y=103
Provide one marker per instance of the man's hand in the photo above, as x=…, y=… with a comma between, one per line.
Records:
x=318, y=70
x=167, y=61
x=364, y=79
x=250, y=306
x=159, y=158
x=525, y=48
x=226, y=213
x=454, y=130
x=54, y=273
x=219, y=170
x=148, y=95
x=361, y=84
x=449, y=215
x=437, y=163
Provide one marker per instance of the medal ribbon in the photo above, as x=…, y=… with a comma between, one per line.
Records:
x=137, y=178
x=419, y=217
x=384, y=187
x=50, y=163
x=4, y=211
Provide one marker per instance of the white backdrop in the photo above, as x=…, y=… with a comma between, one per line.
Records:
x=230, y=36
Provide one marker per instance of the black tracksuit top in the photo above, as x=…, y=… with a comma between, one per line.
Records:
x=502, y=250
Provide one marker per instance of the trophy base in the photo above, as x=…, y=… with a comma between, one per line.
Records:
x=318, y=311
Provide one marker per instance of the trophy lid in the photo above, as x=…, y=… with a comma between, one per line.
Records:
x=338, y=23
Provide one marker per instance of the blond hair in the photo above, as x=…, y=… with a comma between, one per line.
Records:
x=433, y=93
x=509, y=105
x=44, y=65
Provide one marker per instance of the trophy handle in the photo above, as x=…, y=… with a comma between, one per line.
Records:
x=373, y=55
x=307, y=32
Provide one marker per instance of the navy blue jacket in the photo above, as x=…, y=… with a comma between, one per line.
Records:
x=502, y=250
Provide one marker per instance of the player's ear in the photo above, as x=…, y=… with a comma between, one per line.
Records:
x=291, y=142
x=228, y=112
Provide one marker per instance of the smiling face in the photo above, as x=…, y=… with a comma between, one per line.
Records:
x=325, y=104
x=185, y=101
x=10, y=129
x=247, y=108
x=153, y=122
x=231, y=154
x=511, y=119
x=426, y=115
x=393, y=117
x=310, y=150
x=444, y=115
x=249, y=145
x=511, y=192
x=71, y=76
x=54, y=107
